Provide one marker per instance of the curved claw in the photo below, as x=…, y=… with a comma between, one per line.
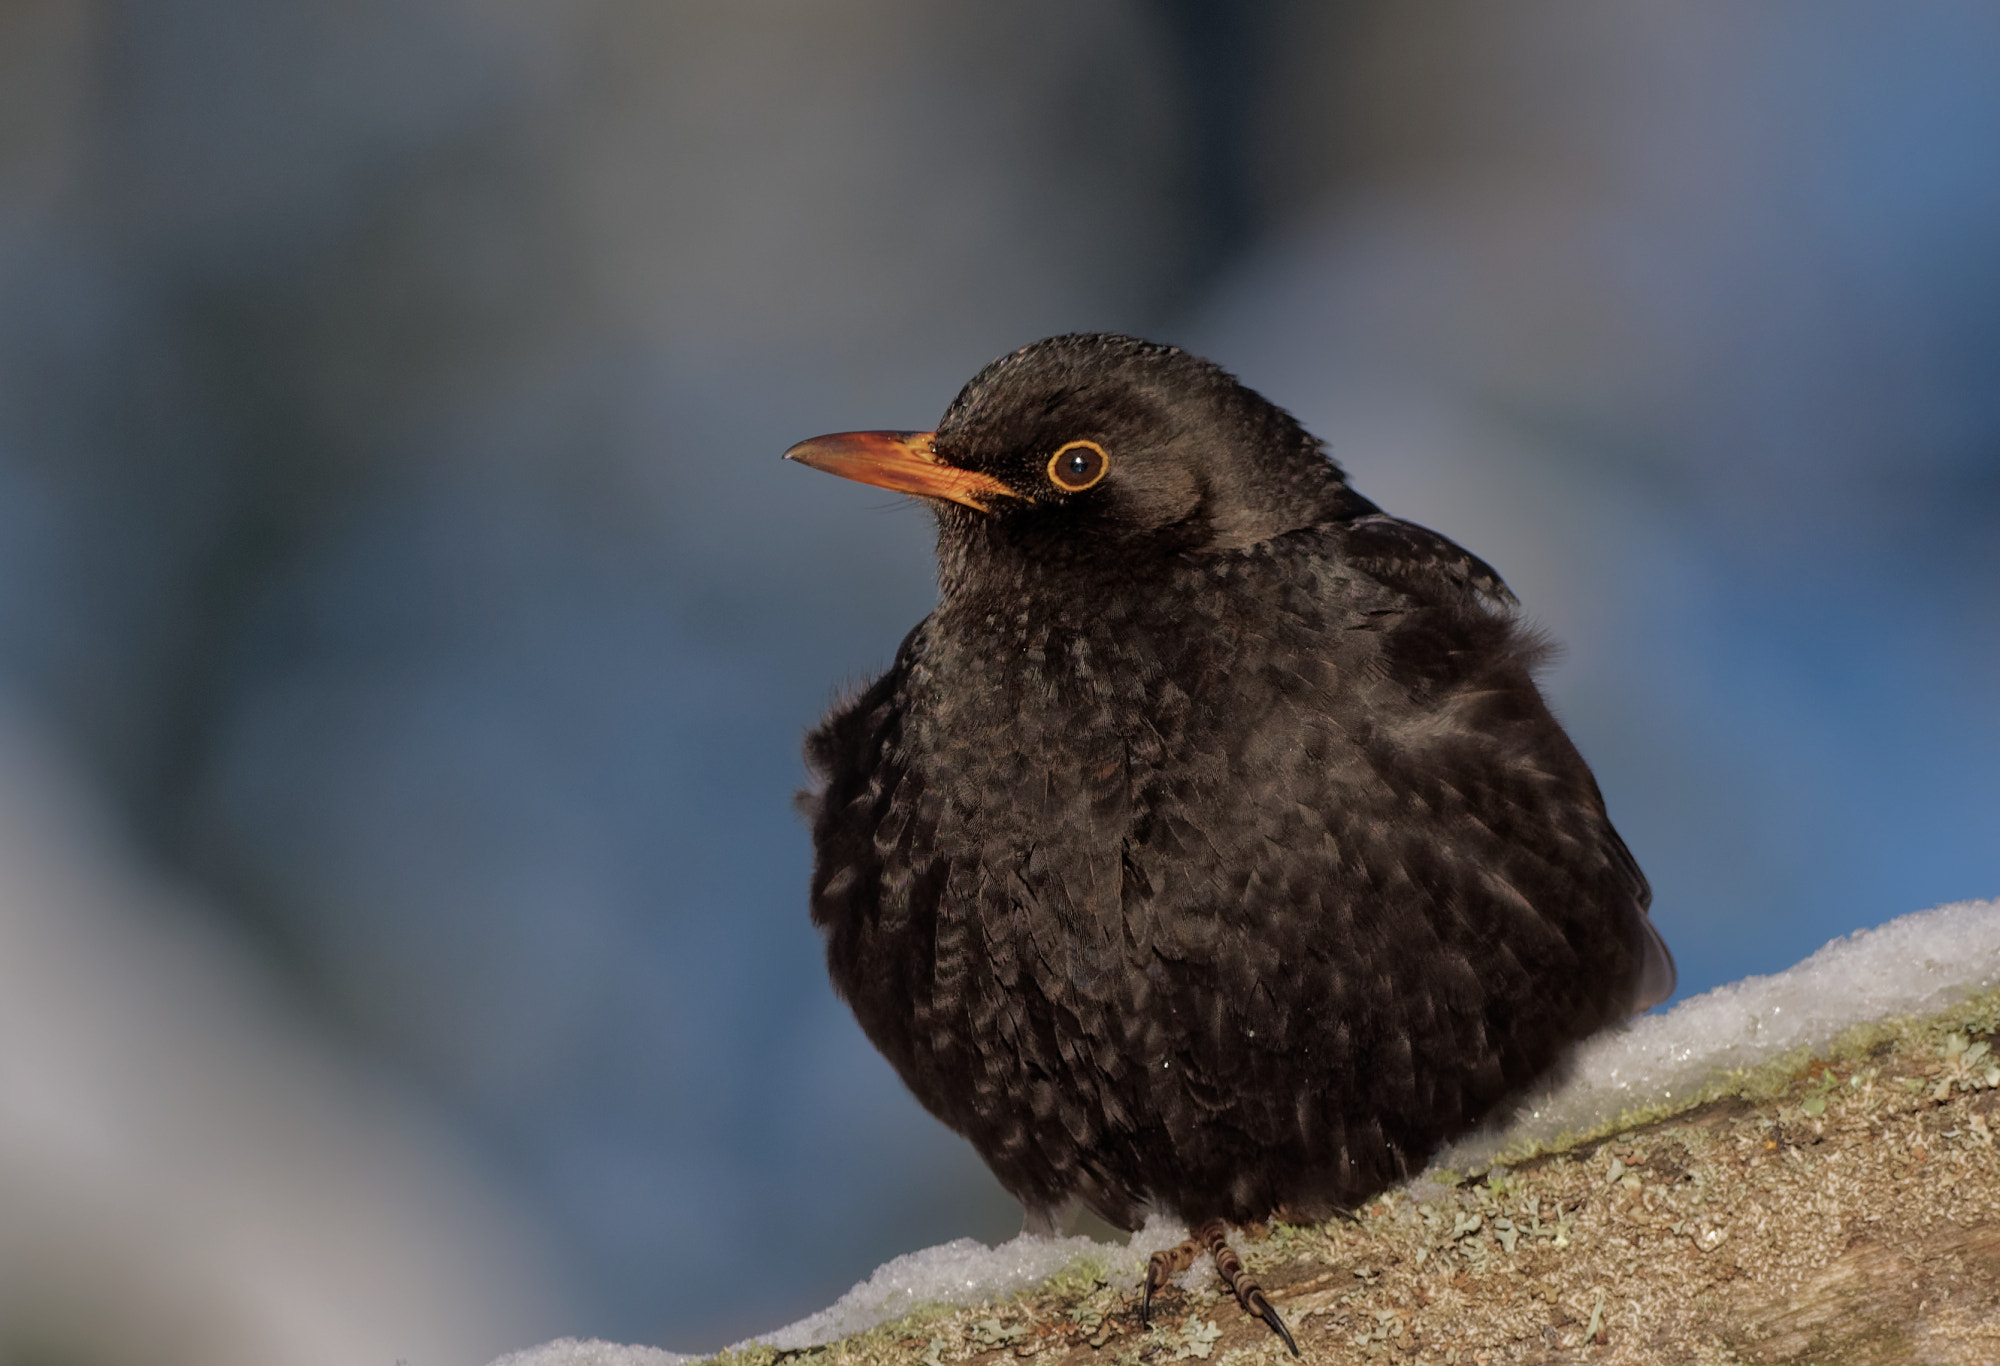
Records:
x=1264, y=1310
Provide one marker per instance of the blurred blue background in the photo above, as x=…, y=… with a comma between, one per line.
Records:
x=407, y=627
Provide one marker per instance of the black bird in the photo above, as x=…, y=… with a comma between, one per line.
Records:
x=1209, y=847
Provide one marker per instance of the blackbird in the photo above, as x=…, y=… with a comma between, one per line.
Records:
x=1210, y=847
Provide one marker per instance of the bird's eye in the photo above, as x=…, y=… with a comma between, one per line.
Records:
x=1078, y=465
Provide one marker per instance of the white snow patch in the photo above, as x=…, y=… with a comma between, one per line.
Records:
x=1916, y=965
x=575, y=1352
x=959, y=1272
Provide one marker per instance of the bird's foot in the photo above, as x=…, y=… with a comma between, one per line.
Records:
x=1213, y=1239
x=1162, y=1267
x=1248, y=1293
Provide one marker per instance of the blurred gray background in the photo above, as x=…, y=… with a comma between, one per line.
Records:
x=406, y=625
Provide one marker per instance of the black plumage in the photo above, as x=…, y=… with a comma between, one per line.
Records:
x=1210, y=846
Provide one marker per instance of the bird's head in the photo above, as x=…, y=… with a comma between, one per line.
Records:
x=1096, y=440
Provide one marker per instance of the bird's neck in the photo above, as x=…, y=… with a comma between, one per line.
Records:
x=986, y=565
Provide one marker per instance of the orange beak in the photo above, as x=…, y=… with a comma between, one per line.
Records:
x=902, y=461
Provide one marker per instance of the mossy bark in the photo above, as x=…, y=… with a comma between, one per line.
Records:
x=1839, y=1209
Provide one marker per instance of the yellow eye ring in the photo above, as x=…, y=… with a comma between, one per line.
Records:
x=1077, y=465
